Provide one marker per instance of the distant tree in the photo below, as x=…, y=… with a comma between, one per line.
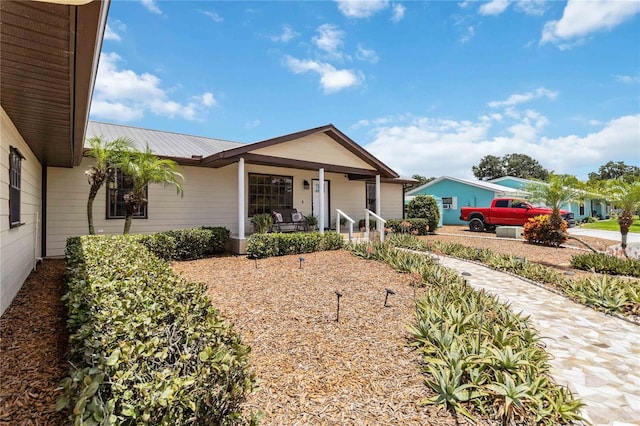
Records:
x=490, y=167
x=615, y=170
x=523, y=166
x=421, y=181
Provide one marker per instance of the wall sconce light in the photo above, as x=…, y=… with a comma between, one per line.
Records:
x=305, y=184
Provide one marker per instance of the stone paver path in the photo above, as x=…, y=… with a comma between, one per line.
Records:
x=598, y=356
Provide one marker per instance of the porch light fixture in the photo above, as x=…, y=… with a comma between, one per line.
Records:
x=305, y=184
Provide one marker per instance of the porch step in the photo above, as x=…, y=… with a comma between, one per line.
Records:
x=361, y=237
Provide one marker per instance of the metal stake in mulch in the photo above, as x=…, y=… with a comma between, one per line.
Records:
x=256, y=260
x=301, y=259
x=389, y=292
x=338, y=311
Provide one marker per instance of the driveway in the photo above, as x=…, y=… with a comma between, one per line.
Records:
x=606, y=235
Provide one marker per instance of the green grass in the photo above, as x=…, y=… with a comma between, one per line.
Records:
x=612, y=225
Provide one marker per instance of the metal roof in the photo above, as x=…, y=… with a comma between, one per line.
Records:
x=166, y=144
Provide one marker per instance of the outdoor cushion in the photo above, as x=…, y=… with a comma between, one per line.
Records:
x=296, y=217
x=277, y=216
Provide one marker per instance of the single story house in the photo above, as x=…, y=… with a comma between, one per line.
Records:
x=456, y=193
x=48, y=60
x=314, y=171
x=589, y=206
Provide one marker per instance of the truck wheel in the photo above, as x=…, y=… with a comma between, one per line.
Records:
x=476, y=225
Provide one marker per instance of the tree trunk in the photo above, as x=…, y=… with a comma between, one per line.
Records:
x=625, y=220
x=92, y=196
x=127, y=223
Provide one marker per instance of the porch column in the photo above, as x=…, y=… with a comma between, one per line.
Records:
x=241, y=212
x=321, y=214
x=378, y=204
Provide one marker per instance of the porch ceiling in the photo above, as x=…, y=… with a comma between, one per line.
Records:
x=48, y=57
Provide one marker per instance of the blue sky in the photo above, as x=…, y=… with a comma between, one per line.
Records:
x=428, y=87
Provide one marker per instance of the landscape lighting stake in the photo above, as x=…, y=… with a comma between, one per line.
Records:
x=256, y=259
x=338, y=311
x=301, y=259
x=389, y=292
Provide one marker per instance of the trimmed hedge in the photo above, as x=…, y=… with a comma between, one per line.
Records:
x=147, y=347
x=414, y=226
x=186, y=244
x=606, y=264
x=279, y=244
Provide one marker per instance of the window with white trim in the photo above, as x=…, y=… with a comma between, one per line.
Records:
x=15, y=186
x=450, y=203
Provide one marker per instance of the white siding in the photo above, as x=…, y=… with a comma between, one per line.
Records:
x=18, y=246
x=319, y=148
x=209, y=199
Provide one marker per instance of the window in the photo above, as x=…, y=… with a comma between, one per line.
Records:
x=15, y=185
x=450, y=203
x=581, y=209
x=502, y=203
x=371, y=196
x=269, y=192
x=116, y=208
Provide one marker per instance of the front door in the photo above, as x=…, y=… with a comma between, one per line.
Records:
x=315, y=204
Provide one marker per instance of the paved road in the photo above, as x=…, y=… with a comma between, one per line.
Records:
x=597, y=355
x=605, y=235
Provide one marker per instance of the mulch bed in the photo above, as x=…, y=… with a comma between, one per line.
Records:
x=311, y=368
x=33, y=349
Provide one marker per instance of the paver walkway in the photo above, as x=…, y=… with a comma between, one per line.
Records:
x=598, y=356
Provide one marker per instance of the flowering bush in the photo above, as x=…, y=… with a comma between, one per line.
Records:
x=539, y=230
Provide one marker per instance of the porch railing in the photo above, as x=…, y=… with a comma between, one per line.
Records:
x=340, y=213
x=379, y=223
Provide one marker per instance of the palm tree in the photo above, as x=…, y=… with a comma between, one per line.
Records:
x=625, y=196
x=143, y=167
x=107, y=155
x=556, y=192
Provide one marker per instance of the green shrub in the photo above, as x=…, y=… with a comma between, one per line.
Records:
x=424, y=207
x=261, y=223
x=363, y=222
x=413, y=226
x=280, y=244
x=161, y=244
x=147, y=347
x=219, y=237
x=539, y=230
x=191, y=243
x=606, y=264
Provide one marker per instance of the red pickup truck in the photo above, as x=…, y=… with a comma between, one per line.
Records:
x=506, y=211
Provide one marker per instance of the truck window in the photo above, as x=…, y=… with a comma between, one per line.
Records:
x=518, y=205
x=502, y=203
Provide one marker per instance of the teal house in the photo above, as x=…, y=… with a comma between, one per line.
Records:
x=456, y=193
x=588, y=206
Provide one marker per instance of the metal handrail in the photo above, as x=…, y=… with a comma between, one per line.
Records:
x=351, y=222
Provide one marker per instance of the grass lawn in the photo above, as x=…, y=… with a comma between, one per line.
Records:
x=612, y=225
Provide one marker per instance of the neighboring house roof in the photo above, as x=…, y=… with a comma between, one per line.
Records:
x=475, y=183
x=210, y=152
x=522, y=181
x=49, y=55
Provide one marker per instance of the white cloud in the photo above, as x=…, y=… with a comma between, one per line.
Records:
x=581, y=18
x=368, y=55
x=468, y=35
x=532, y=7
x=437, y=147
x=151, y=6
x=215, y=17
x=112, y=29
x=329, y=39
x=124, y=95
x=398, y=13
x=331, y=79
x=626, y=79
x=361, y=8
x=518, y=98
x=494, y=7
x=287, y=35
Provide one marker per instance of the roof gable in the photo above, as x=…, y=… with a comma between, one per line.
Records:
x=475, y=183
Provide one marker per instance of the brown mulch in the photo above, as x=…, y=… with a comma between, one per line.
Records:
x=312, y=369
x=33, y=349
